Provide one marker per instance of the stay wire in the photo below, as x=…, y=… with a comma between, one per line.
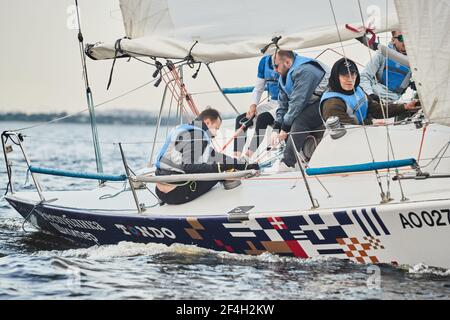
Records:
x=83, y=110
x=384, y=104
x=354, y=92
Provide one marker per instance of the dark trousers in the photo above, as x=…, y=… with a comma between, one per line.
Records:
x=186, y=193
x=308, y=120
x=263, y=120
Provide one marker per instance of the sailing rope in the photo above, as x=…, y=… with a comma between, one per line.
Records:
x=176, y=86
x=439, y=156
x=382, y=103
x=383, y=195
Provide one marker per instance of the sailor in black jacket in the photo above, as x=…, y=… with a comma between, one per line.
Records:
x=188, y=149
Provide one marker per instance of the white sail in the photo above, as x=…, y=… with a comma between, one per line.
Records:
x=426, y=25
x=235, y=29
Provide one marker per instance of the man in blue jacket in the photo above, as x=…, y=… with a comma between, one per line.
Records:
x=302, y=82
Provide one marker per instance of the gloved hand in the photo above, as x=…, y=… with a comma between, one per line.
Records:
x=252, y=166
x=246, y=166
x=375, y=97
x=240, y=166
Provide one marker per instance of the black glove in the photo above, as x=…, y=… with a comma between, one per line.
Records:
x=252, y=166
x=246, y=166
x=375, y=97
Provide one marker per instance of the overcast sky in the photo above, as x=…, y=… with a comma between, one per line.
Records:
x=40, y=67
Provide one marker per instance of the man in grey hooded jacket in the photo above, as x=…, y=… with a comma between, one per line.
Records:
x=302, y=82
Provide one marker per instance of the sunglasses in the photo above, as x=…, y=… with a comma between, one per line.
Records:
x=399, y=38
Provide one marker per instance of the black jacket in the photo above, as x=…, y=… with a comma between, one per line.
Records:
x=189, y=145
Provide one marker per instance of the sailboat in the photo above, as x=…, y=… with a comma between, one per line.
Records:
x=378, y=194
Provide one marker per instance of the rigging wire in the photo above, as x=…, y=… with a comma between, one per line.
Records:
x=83, y=110
x=383, y=195
x=384, y=103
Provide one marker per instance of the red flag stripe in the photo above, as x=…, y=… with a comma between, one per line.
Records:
x=296, y=248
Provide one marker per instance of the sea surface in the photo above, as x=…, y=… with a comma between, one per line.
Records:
x=34, y=265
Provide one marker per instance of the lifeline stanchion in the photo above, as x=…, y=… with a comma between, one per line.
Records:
x=27, y=160
x=127, y=171
x=8, y=165
x=314, y=202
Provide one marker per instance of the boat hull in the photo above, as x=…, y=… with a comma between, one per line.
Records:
x=399, y=233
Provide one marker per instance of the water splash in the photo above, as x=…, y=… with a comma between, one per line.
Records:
x=132, y=249
x=422, y=268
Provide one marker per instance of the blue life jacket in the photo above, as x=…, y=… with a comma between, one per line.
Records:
x=288, y=87
x=394, y=76
x=266, y=72
x=171, y=159
x=357, y=104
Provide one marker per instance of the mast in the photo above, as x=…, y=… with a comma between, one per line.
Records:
x=90, y=101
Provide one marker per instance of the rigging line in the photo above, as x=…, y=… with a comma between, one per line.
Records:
x=171, y=85
x=84, y=110
x=140, y=60
x=338, y=53
x=384, y=104
x=204, y=92
x=389, y=142
x=330, y=48
x=355, y=127
x=180, y=108
x=168, y=115
x=220, y=89
x=242, y=128
x=438, y=155
x=385, y=115
x=354, y=92
x=81, y=46
x=158, y=123
x=90, y=101
x=183, y=91
x=179, y=60
x=439, y=161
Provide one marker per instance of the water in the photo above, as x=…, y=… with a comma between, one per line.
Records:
x=34, y=265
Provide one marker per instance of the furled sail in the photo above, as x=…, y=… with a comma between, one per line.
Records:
x=426, y=25
x=225, y=30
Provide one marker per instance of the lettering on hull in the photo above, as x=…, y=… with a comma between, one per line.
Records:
x=69, y=226
x=425, y=219
x=146, y=232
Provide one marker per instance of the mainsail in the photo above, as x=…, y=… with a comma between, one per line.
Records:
x=212, y=31
x=426, y=25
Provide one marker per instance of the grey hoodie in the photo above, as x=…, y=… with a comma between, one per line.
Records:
x=310, y=81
